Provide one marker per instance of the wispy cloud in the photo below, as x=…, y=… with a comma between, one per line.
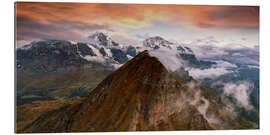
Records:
x=239, y=91
x=211, y=73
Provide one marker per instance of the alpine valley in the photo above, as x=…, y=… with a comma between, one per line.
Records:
x=158, y=85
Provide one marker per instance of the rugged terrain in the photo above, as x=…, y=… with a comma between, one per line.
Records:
x=55, y=69
x=141, y=95
x=101, y=85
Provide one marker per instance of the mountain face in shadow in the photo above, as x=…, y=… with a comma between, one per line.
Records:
x=55, y=56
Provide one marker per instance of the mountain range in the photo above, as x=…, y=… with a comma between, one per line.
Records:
x=101, y=50
x=101, y=85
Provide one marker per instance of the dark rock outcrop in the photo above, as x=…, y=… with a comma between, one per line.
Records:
x=119, y=56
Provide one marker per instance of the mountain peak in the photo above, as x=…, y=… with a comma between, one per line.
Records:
x=156, y=42
x=144, y=64
x=98, y=35
x=150, y=98
x=102, y=39
x=141, y=95
x=157, y=38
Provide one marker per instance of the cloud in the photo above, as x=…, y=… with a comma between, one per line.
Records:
x=169, y=58
x=215, y=17
x=239, y=91
x=235, y=17
x=252, y=66
x=212, y=49
x=205, y=52
x=200, y=102
x=208, y=47
x=124, y=39
x=143, y=37
x=208, y=73
x=50, y=19
x=225, y=64
x=94, y=58
x=221, y=68
x=99, y=13
x=29, y=29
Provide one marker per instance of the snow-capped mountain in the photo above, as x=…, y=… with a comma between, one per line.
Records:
x=173, y=55
x=102, y=50
x=107, y=49
x=158, y=42
x=101, y=39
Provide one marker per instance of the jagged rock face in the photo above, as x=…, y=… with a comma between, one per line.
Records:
x=46, y=56
x=103, y=39
x=85, y=50
x=102, y=51
x=131, y=51
x=156, y=42
x=119, y=55
x=139, y=96
x=100, y=38
x=54, y=56
x=62, y=56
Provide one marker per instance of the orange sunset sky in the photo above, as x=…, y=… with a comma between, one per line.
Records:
x=132, y=23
